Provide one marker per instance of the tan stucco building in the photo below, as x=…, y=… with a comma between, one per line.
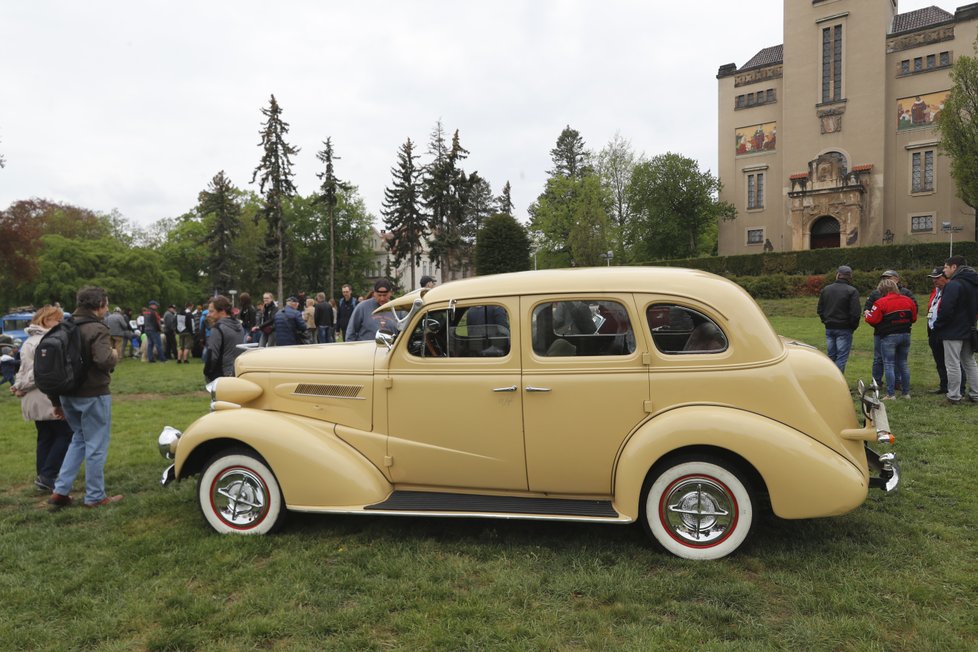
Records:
x=829, y=139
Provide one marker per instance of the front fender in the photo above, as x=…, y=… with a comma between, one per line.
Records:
x=314, y=468
x=804, y=478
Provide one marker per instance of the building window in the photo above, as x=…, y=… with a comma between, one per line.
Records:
x=918, y=64
x=832, y=63
x=755, y=191
x=739, y=104
x=905, y=67
x=922, y=223
x=755, y=236
x=931, y=60
x=922, y=171
x=770, y=95
x=945, y=58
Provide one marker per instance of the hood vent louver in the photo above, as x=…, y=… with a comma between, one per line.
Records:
x=329, y=391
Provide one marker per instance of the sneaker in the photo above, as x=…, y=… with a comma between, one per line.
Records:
x=905, y=397
x=58, y=500
x=108, y=500
x=949, y=402
x=938, y=391
x=43, y=484
x=889, y=397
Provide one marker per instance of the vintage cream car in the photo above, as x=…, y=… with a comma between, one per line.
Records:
x=607, y=395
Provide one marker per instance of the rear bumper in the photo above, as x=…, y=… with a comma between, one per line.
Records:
x=884, y=471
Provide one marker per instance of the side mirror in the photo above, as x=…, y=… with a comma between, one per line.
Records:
x=384, y=339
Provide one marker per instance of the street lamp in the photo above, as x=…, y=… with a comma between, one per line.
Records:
x=608, y=256
x=232, y=293
x=949, y=230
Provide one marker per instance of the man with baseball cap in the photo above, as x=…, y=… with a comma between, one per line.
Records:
x=935, y=343
x=877, y=340
x=838, y=308
x=290, y=327
x=364, y=324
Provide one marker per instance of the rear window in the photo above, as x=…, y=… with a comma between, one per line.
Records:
x=678, y=329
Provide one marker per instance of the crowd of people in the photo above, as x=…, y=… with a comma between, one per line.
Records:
x=891, y=309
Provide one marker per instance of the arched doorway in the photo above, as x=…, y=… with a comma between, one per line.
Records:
x=825, y=233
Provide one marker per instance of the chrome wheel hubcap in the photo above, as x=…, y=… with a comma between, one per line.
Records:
x=239, y=497
x=698, y=511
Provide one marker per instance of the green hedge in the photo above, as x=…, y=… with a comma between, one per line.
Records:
x=804, y=273
x=821, y=261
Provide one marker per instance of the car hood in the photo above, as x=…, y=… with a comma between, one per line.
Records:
x=347, y=357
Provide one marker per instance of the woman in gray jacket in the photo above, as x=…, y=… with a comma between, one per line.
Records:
x=53, y=433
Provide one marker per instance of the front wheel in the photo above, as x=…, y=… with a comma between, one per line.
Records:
x=698, y=507
x=239, y=494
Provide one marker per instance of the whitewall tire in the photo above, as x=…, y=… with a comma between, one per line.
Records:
x=239, y=494
x=698, y=507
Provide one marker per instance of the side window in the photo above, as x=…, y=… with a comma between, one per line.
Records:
x=678, y=329
x=582, y=328
x=466, y=332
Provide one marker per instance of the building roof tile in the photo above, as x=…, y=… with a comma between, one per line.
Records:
x=919, y=19
x=766, y=57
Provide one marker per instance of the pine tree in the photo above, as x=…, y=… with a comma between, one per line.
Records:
x=479, y=205
x=274, y=173
x=221, y=212
x=329, y=197
x=570, y=156
x=445, y=191
x=502, y=246
x=402, y=213
x=504, y=203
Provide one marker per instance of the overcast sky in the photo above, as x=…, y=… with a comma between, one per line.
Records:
x=135, y=105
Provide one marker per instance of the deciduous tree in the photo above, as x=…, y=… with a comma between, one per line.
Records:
x=676, y=209
x=958, y=126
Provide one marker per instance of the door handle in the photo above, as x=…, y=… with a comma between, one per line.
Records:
x=511, y=388
x=530, y=388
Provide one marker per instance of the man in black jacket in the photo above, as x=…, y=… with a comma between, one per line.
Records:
x=955, y=325
x=838, y=308
x=324, y=319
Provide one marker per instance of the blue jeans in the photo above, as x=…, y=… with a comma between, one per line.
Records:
x=838, y=343
x=324, y=334
x=153, y=340
x=91, y=420
x=877, y=360
x=896, y=350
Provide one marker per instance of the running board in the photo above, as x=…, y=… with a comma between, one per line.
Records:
x=425, y=501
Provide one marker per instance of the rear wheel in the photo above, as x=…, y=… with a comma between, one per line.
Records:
x=239, y=494
x=698, y=507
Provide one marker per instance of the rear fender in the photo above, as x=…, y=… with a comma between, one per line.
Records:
x=804, y=478
x=313, y=467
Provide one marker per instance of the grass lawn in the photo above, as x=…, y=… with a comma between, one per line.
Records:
x=899, y=573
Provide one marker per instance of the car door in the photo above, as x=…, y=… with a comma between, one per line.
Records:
x=455, y=415
x=584, y=389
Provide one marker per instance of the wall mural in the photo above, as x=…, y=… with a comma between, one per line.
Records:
x=757, y=138
x=920, y=110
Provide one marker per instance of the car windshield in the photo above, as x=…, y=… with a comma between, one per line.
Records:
x=15, y=324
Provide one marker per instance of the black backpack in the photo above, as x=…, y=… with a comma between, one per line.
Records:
x=60, y=364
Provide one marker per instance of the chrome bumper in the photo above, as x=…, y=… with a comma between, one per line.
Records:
x=886, y=468
x=167, y=444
